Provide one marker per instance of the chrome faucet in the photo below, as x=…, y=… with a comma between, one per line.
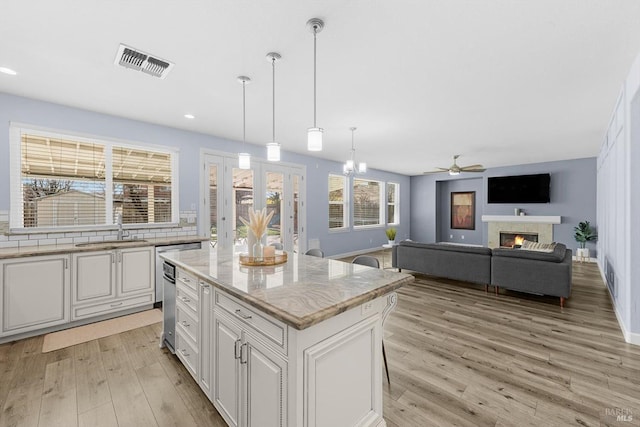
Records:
x=121, y=233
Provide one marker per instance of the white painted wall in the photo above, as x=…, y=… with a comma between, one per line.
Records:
x=618, y=206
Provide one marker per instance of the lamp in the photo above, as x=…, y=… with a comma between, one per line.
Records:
x=244, y=159
x=273, y=148
x=314, y=134
x=350, y=167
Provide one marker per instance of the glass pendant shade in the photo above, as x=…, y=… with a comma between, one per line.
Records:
x=362, y=167
x=314, y=139
x=273, y=152
x=244, y=160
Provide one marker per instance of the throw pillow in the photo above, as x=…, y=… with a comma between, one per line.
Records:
x=537, y=246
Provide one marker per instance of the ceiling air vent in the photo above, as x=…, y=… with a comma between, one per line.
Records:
x=138, y=60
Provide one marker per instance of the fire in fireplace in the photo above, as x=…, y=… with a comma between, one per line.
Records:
x=513, y=238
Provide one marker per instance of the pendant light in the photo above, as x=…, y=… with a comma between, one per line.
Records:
x=244, y=159
x=314, y=134
x=350, y=167
x=273, y=148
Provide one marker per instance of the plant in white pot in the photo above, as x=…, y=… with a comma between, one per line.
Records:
x=391, y=235
x=584, y=234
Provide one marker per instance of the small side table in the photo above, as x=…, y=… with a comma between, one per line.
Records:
x=384, y=257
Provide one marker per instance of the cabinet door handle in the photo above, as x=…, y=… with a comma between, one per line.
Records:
x=185, y=299
x=184, y=352
x=243, y=354
x=237, y=349
x=113, y=259
x=66, y=263
x=185, y=324
x=116, y=304
x=242, y=315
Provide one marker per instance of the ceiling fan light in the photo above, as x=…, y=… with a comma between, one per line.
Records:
x=244, y=160
x=273, y=152
x=362, y=167
x=453, y=173
x=314, y=139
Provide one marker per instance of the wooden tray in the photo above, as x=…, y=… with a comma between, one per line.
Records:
x=279, y=258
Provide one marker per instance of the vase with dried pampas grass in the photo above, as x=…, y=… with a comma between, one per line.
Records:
x=257, y=225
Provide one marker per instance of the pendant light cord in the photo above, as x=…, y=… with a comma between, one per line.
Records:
x=315, y=32
x=273, y=70
x=244, y=115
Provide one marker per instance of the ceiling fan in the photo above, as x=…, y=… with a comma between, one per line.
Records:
x=454, y=169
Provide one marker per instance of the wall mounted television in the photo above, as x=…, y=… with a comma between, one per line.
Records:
x=519, y=189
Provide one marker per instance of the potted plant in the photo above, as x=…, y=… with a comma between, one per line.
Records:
x=584, y=234
x=391, y=235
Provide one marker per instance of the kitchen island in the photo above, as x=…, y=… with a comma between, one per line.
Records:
x=296, y=344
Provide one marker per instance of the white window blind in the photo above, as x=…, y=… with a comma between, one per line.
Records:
x=337, y=204
x=141, y=185
x=367, y=198
x=393, y=214
x=63, y=182
x=67, y=181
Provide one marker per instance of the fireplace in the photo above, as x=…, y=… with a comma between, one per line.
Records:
x=514, y=238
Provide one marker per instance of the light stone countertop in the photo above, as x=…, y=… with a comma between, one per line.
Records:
x=29, y=251
x=302, y=292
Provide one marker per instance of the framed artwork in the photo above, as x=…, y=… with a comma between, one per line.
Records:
x=463, y=210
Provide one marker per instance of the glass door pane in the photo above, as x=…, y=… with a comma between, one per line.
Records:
x=296, y=213
x=275, y=203
x=242, y=196
x=213, y=203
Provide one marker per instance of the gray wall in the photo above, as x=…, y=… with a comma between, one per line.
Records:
x=573, y=196
x=45, y=114
x=445, y=232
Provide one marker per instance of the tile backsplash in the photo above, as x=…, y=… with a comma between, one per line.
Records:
x=187, y=227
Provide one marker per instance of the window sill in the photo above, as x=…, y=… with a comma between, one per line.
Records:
x=45, y=230
x=368, y=227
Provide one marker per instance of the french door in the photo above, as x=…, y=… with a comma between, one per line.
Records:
x=228, y=193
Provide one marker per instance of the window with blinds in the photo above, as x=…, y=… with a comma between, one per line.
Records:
x=72, y=181
x=367, y=197
x=337, y=202
x=393, y=214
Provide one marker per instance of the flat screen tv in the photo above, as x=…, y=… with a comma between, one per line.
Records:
x=519, y=189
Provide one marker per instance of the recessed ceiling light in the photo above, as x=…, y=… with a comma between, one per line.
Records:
x=189, y=116
x=9, y=71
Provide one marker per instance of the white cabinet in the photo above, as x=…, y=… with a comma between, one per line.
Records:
x=35, y=293
x=249, y=376
x=205, y=298
x=94, y=276
x=265, y=384
x=189, y=319
x=136, y=270
x=110, y=281
x=226, y=368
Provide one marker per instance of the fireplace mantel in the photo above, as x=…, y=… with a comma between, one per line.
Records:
x=523, y=219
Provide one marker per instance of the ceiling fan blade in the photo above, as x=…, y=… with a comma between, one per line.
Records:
x=472, y=167
x=472, y=170
x=440, y=170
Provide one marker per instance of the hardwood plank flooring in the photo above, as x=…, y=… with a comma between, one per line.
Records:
x=457, y=357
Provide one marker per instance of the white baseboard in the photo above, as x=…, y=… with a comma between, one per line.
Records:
x=630, y=337
x=575, y=258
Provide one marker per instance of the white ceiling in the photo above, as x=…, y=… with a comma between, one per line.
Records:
x=500, y=82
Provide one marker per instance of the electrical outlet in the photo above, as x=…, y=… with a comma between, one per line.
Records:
x=193, y=206
x=462, y=237
x=451, y=236
x=370, y=240
x=367, y=308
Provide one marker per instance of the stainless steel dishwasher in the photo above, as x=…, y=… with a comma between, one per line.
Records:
x=169, y=305
x=159, y=250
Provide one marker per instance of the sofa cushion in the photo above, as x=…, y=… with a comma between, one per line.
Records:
x=447, y=247
x=557, y=255
x=538, y=246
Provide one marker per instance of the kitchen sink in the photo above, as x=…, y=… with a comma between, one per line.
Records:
x=109, y=243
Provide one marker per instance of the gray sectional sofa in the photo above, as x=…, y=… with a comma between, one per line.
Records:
x=515, y=269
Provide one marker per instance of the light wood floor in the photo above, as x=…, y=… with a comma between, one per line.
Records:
x=457, y=357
